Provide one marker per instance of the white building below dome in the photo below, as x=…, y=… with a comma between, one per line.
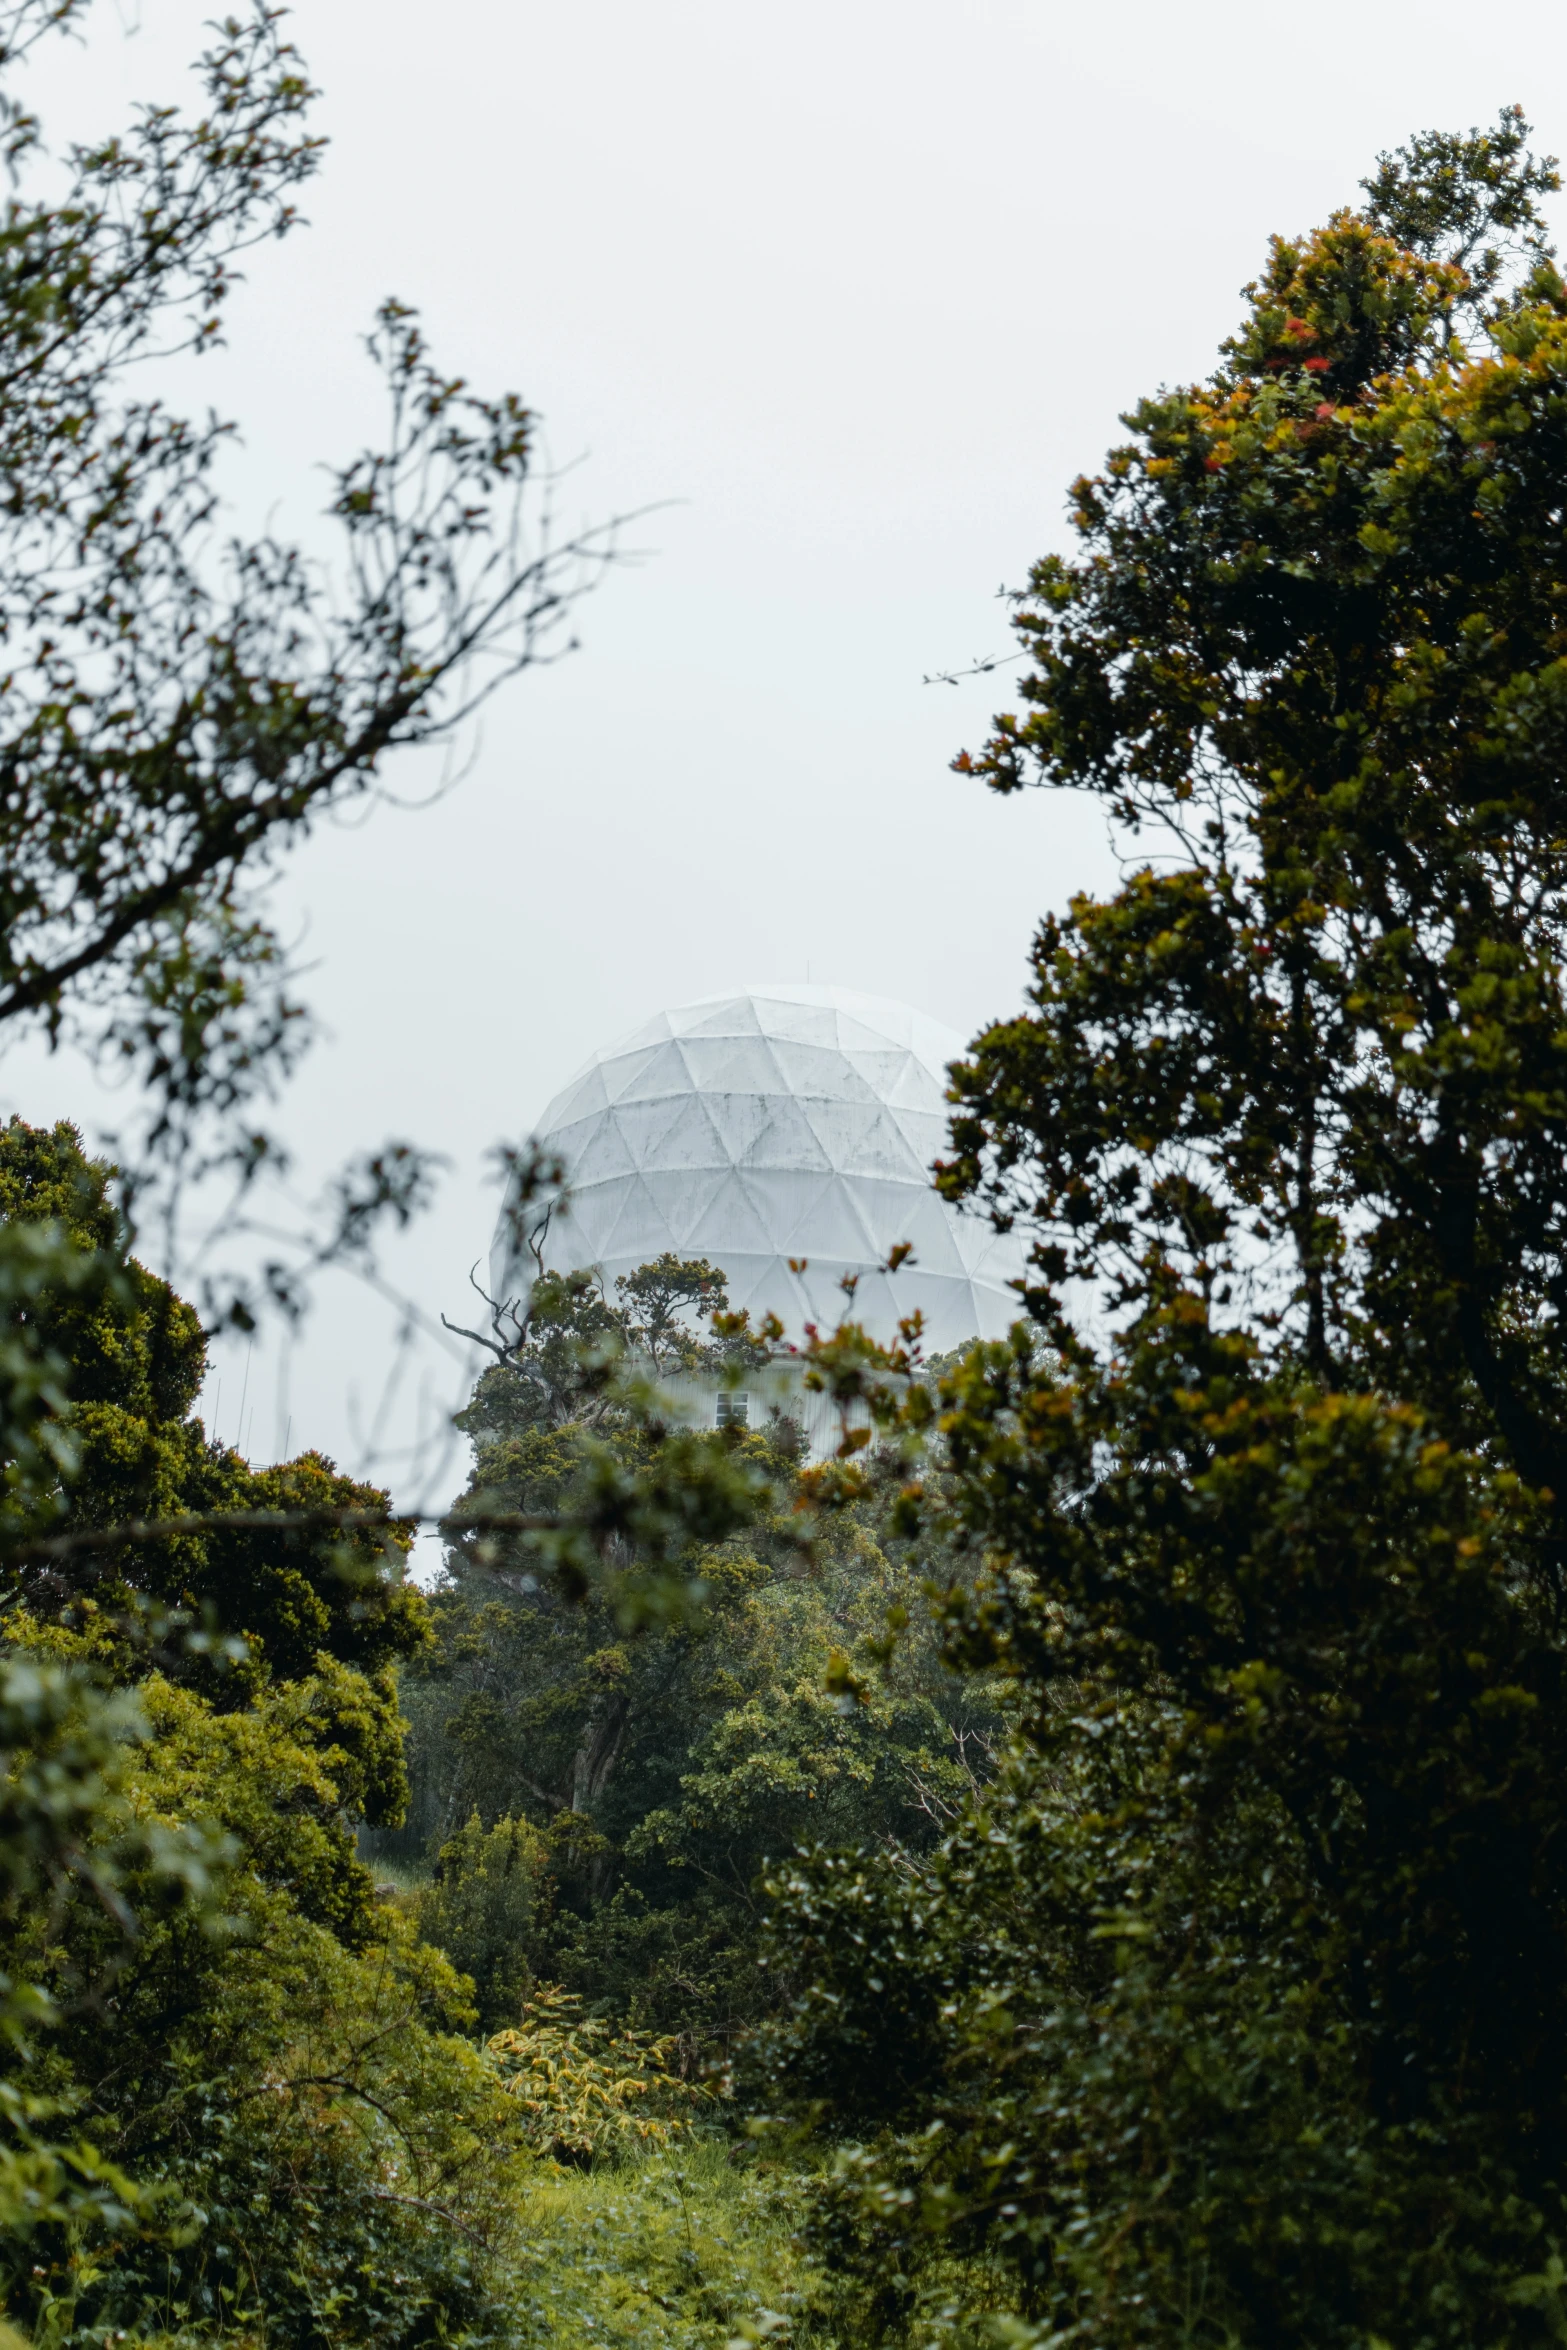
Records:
x=782, y=1122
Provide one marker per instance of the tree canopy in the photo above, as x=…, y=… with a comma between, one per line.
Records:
x=234, y=2091
x=610, y=1767
x=1236, y=2011
x=1107, y=1825
x=178, y=706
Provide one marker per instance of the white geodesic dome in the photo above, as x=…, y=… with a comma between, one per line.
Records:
x=783, y=1122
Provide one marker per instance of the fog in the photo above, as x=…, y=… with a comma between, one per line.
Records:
x=838, y=299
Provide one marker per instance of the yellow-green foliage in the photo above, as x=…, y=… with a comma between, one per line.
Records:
x=587, y=2088
x=121, y=1358
x=331, y=2159
x=666, y=1769
x=670, y=2252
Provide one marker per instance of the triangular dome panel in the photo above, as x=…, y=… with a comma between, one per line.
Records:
x=686, y=1205
x=670, y=1132
x=640, y=1228
x=644, y=1076
x=734, y=1220
x=815, y=1074
x=831, y=1225
x=601, y=1153
x=731, y=1064
x=582, y=1236
x=585, y=1095
x=914, y=1087
x=887, y=1072
x=925, y=1132
x=861, y=1138
x=785, y=1141
x=739, y=1120
x=790, y=1023
x=734, y=1016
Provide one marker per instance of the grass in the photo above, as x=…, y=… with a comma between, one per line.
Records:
x=407, y=1877
x=678, y=2252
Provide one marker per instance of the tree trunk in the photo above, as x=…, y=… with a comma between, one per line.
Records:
x=598, y=1751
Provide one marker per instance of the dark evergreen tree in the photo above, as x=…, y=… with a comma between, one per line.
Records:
x=1238, y=2012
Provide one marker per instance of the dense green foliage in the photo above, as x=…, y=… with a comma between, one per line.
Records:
x=1235, y=2012
x=1094, y=1850
x=285, y=2080
x=240, y=2096
x=247, y=2095
x=659, y=1761
x=267, y=2109
x=137, y=1355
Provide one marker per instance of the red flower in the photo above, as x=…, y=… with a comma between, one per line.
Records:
x=1326, y=413
x=1318, y=366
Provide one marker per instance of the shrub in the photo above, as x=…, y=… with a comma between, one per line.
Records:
x=588, y=2088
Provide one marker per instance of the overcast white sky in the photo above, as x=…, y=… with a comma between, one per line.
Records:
x=859, y=288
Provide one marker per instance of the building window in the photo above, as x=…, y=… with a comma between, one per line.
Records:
x=734, y=1411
